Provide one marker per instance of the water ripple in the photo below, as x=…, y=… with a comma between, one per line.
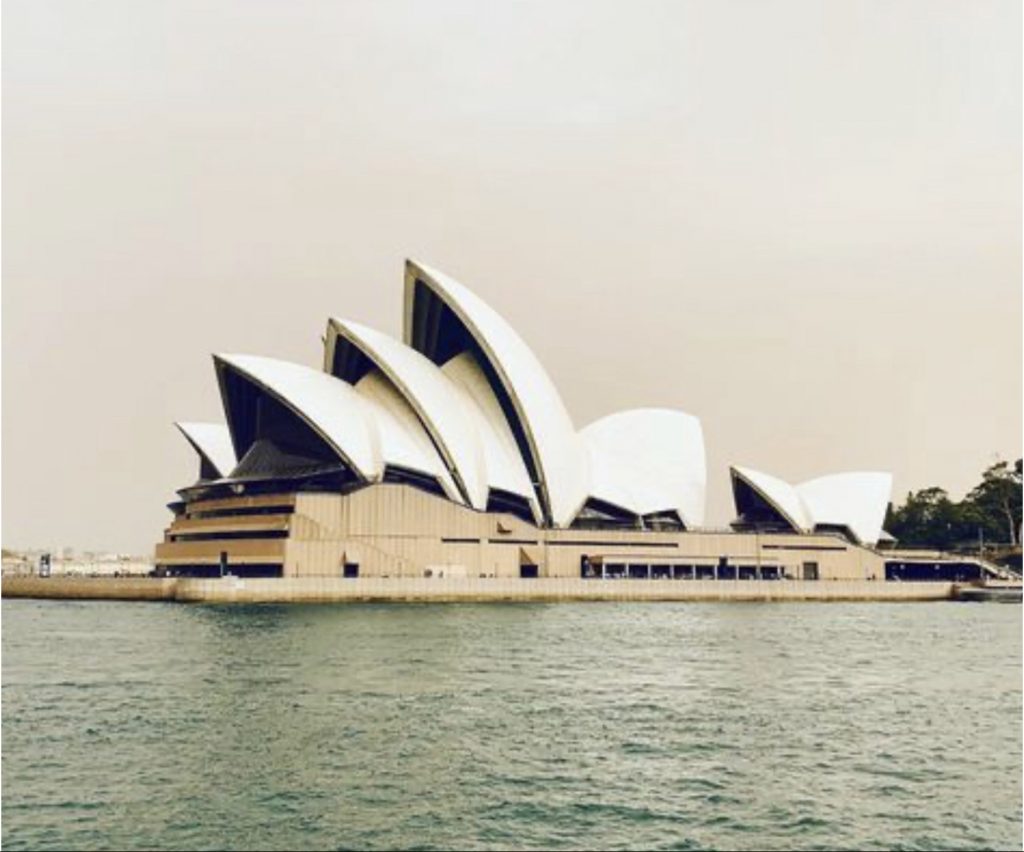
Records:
x=668, y=727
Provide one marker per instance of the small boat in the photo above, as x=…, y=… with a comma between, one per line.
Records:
x=999, y=592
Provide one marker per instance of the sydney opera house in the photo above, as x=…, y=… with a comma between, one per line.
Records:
x=451, y=454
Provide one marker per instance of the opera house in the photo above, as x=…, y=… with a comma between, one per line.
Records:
x=451, y=454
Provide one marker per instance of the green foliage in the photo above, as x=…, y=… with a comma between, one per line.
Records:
x=992, y=510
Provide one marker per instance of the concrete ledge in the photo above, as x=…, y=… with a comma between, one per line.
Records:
x=90, y=588
x=418, y=589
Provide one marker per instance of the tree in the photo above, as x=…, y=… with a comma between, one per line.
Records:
x=992, y=509
x=928, y=519
x=996, y=501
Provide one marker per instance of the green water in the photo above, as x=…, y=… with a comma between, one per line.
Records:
x=626, y=726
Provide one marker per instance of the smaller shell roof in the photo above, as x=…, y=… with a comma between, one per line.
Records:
x=779, y=494
x=855, y=500
x=213, y=442
x=649, y=460
x=479, y=406
x=431, y=394
x=369, y=425
x=403, y=440
x=330, y=406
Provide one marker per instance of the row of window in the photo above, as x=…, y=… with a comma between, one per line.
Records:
x=236, y=569
x=635, y=571
x=253, y=535
x=239, y=511
x=937, y=572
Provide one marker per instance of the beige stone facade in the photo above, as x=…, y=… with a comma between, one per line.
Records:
x=392, y=530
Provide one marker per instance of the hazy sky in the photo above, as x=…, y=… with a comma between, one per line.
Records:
x=800, y=221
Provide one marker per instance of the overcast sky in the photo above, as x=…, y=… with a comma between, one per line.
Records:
x=800, y=221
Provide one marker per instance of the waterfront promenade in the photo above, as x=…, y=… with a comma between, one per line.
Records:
x=460, y=589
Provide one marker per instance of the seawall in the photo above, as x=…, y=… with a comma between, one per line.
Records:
x=418, y=589
x=90, y=588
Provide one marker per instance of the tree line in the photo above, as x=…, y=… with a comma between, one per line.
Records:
x=990, y=514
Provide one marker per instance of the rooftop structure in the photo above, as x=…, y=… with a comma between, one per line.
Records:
x=462, y=408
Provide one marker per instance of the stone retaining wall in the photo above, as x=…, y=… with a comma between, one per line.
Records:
x=336, y=589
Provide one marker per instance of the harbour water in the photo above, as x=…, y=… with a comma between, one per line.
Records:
x=626, y=726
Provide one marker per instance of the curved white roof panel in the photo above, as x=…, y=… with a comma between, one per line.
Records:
x=856, y=500
x=549, y=441
x=778, y=494
x=479, y=405
x=332, y=408
x=649, y=460
x=213, y=443
x=403, y=440
x=436, y=401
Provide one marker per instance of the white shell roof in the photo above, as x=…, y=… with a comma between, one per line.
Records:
x=403, y=440
x=458, y=423
x=436, y=401
x=856, y=500
x=331, y=407
x=369, y=425
x=779, y=494
x=477, y=402
x=213, y=442
x=558, y=454
x=649, y=460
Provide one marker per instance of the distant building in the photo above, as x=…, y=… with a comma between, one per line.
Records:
x=55, y=563
x=452, y=454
